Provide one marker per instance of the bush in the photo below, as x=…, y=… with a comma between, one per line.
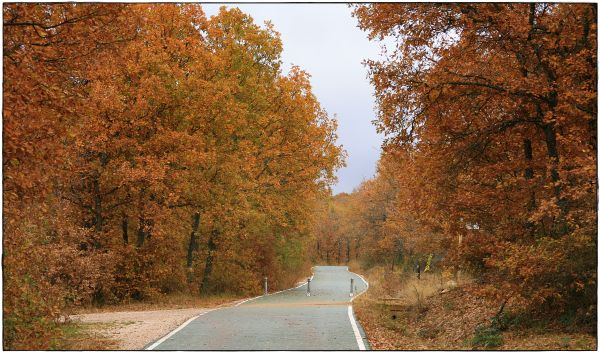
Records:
x=486, y=337
x=503, y=321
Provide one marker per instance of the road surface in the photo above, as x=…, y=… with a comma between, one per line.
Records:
x=288, y=320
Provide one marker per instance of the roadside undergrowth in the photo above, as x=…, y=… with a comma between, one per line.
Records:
x=82, y=337
x=439, y=312
x=162, y=302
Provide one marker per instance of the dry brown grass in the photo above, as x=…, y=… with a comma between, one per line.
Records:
x=172, y=301
x=400, y=312
x=395, y=311
x=405, y=288
x=552, y=341
x=83, y=337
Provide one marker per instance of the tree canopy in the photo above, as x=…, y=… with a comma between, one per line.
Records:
x=147, y=150
x=490, y=116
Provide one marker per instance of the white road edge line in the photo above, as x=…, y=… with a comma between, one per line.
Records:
x=357, y=335
x=157, y=343
x=364, y=280
x=260, y=296
x=359, y=340
x=246, y=300
x=366, y=289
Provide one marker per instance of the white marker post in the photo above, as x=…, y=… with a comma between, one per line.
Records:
x=308, y=288
x=266, y=286
x=351, y=287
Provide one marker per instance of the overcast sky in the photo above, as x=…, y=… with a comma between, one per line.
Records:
x=323, y=40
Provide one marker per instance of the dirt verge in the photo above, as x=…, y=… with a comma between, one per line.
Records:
x=132, y=330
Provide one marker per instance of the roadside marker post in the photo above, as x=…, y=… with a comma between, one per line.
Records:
x=351, y=287
x=308, y=288
x=266, y=287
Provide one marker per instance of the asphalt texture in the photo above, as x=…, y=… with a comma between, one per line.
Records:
x=289, y=320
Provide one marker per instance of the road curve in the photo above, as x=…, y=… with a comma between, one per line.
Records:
x=288, y=320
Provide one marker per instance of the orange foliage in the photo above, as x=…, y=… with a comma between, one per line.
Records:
x=490, y=112
x=123, y=121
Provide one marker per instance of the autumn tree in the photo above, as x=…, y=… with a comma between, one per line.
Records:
x=46, y=47
x=495, y=107
x=150, y=150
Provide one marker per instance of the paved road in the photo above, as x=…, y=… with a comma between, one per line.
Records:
x=288, y=320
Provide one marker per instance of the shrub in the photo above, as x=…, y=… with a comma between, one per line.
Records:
x=486, y=337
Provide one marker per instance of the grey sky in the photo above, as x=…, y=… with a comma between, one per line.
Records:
x=323, y=40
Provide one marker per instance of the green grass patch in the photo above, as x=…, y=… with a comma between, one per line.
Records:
x=82, y=336
x=486, y=338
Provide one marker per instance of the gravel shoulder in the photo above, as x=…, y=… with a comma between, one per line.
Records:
x=132, y=330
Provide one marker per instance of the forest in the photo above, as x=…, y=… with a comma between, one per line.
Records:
x=489, y=163
x=150, y=150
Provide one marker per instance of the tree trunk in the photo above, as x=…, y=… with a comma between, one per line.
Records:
x=528, y=156
x=347, y=250
x=125, y=228
x=528, y=152
x=98, y=219
x=319, y=250
x=550, y=134
x=141, y=234
x=193, y=242
x=209, y=261
x=339, y=252
x=148, y=229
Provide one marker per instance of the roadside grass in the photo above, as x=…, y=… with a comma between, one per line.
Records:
x=83, y=337
x=401, y=312
x=486, y=338
x=551, y=341
x=393, y=310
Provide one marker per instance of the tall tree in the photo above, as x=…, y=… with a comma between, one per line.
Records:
x=495, y=104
